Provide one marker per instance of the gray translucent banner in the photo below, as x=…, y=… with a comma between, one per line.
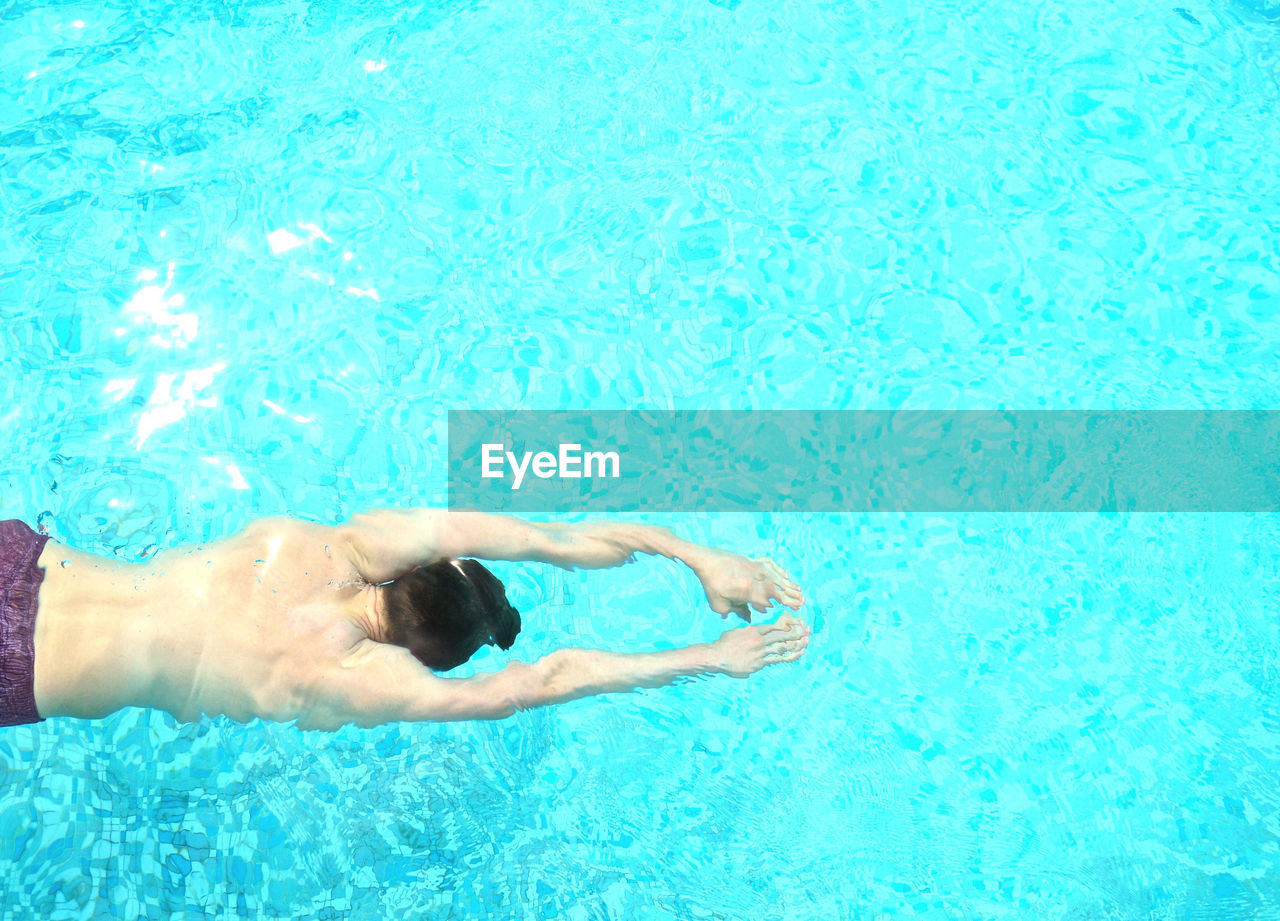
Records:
x=864, y=461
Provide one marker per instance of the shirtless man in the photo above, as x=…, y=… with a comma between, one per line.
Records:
x=289, y=620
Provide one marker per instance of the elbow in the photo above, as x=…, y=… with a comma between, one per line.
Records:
x=555, y=677
x=527, y=687
x=559, y=547
x=516, y=688
x=519, y=687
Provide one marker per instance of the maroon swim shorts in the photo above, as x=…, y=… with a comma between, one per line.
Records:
x=20, y=579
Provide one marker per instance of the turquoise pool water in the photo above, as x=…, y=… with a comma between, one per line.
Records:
x=251, y=253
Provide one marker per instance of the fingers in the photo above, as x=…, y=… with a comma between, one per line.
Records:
x=782, y=587
x=789, y=626
x=789, y=657
x=787, y=650
x=784, y=640
x=782, y=647
x=769, y=562
x=771, y=571
x=782, y=623
x=792, y=599
x=777, y=573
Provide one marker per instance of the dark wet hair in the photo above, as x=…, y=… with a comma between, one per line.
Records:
x=443, y=616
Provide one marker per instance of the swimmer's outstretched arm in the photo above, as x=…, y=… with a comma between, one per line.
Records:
x=381, y=683
x=386, y=543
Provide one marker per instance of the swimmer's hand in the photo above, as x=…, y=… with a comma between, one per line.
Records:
x=746, y=650
x=738, y=584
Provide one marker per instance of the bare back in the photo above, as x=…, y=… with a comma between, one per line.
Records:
x=249, y=626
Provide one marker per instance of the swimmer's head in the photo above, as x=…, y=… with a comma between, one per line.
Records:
x=444, y=612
